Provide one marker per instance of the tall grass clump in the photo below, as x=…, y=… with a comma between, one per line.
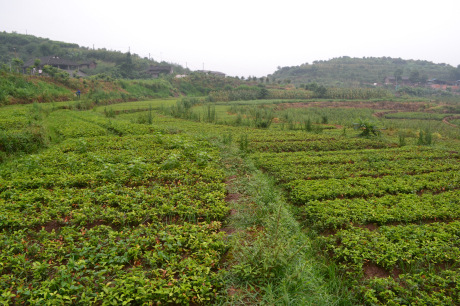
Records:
x=262, y=117
x=210, y=113
x=425, y=138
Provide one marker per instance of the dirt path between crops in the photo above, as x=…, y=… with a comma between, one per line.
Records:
x=446, y=120
x=382, y=114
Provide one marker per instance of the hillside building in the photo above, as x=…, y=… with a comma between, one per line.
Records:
x=60, y=63
x=156, y=71
x=402, y=81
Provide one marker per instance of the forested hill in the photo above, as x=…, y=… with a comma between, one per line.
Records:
x=346, y=71
x=112, y=63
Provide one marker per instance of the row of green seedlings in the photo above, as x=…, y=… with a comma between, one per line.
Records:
x=425, y=249
x=243, y=141
x=305, y=125
x=143, y=118
x=263, y=117
x=257, y=117
x=183, y=110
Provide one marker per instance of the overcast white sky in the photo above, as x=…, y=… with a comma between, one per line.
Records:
x=249, y=37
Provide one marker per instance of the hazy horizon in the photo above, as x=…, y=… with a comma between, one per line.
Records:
x=246, y=38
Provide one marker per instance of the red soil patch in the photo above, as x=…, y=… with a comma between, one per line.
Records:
x=94, y=224
x=49, y=226
x=232, y=197
x=230, y=178
x=228, y=230
x=233, y=291
x=396, y=272
x=371, y=270
x=329, y=232
x=370, y=226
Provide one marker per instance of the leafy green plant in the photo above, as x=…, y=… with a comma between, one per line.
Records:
x=227, y=138
x=243, y=143
x=308, y=126
x=425, y=138
x=367, y=129
x=402, y=139
x=172, y=162
x=110, y=113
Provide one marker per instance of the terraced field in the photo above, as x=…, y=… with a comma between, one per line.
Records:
x=388, y=217
x=123, y=203
x=99, y=217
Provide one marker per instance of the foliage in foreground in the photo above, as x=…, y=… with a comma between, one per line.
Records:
x=110, y=219
x=389, y=217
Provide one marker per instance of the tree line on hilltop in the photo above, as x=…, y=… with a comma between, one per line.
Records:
x=346, y=71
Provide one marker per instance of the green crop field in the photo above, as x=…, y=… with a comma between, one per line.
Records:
x=130, y=203
x=99, y=217
x=386, y=213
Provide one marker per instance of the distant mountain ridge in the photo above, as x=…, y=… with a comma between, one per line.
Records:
x=347, y=71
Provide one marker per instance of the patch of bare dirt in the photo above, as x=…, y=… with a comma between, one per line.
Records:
x=395, y=272
x=94, y=224
x=230, y=178
x=371, y=270
x=329, y=232
x=233, y=291
x=232, y=197
x=49, y=226
x=228, y=230
x=370, y=226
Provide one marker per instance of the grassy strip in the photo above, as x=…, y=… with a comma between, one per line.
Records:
x=271, y=260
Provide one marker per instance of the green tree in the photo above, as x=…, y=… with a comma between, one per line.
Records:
x=414, y=76
x=263, y=93
x=56, y=73
x=47, y=49
x=367, y=129
x=320, y=91
x=37, y=63
x=398, y=74
x=17, y=64
x=311, y=86
x=126, y=69
x=456, y=73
